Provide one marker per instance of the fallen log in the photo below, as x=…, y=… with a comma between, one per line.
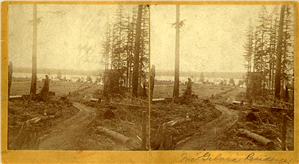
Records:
x=20, y=97
x=163, y=139
x=33, y=120
x=94, y=100
x=155, y=101
x=115, y=135
x=176, y=122
x=38, y=119
x=26, y=131
x=17, y=97
x=271, y=107
x=265, y=141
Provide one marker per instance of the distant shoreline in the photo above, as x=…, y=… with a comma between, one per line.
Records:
x=234, y=75
x=55, y=71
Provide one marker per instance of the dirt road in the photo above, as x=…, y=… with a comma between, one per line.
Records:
x=208, y=133
x=230, y=96
x=63, y=136
x=204, y=139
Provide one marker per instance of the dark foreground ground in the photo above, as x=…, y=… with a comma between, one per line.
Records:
x=215, y=123
x=70, y=121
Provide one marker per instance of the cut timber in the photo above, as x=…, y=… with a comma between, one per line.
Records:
x=115, y=135
x=266, y=142
x=39, y=118
x=236, y=102
x=27, y=131
x=176, y=122
x=162, y=100
x=20, y=97
x=155, y=101
x=94, y=100
x=163, y=139
x=17, y=97
x=272, y=108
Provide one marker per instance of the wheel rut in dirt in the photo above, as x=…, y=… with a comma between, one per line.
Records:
x=63, y=136
x=204, y=139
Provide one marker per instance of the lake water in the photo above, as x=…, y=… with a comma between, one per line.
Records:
x=183, y=79
x=53, y=76
x=194, y=79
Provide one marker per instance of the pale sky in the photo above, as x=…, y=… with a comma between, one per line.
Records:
x=211, y=40
x=69, y=36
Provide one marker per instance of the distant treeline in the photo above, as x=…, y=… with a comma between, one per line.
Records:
x=234, y=75
x=59, y=71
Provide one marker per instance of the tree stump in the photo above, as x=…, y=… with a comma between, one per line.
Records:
x=109, y=114
x=44, y=93
x=251, y=117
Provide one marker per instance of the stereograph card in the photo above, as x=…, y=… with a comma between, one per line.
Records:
x=149, y=82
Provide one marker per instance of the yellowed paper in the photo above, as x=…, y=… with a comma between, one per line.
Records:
x=70, y=36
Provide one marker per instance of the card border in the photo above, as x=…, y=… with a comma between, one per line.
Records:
x=38, y=156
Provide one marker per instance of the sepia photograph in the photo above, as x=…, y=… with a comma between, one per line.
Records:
x=222, y=77
x=149, y=82
x=77, y=77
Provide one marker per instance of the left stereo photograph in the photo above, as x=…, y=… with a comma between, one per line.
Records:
x=78, y=77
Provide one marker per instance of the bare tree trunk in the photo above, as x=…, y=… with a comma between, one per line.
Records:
x=140, y=81
x=136, y=55
x=177, y=55
x=128, y=55
x=34, y=54
x=10, y=71
x=270, y=74
x=279, y=52
x=112, y=50
x=130, y=76
x=152, y=82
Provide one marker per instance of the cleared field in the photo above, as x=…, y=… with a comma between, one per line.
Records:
x=202, y=90
x=22, y=87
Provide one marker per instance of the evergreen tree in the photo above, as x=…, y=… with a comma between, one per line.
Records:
x=268, y=54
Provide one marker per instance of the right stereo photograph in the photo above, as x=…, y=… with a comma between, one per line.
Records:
x=222, y=77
